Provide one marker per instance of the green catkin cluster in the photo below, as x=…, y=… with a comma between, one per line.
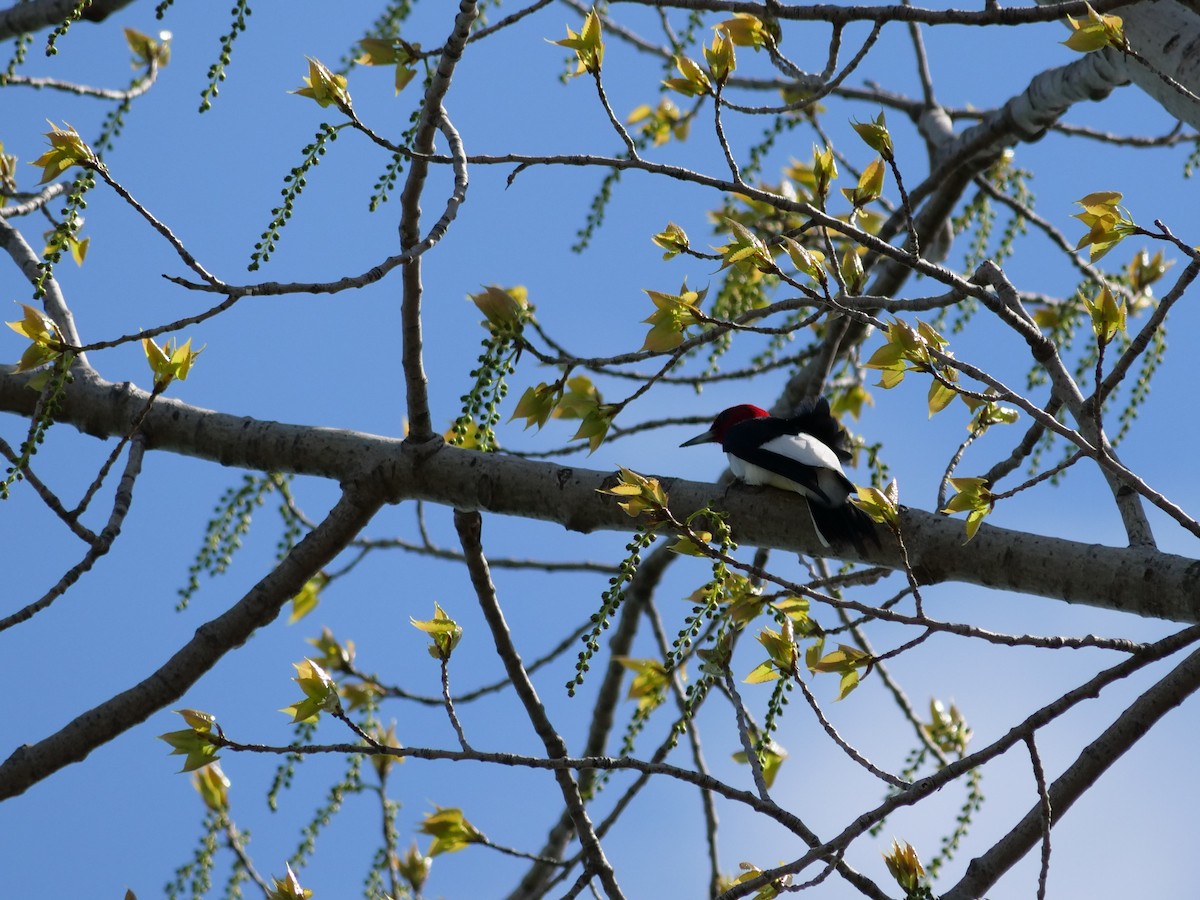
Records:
x=66, y=230
x=293, y=186
x=64, y=26
x=349, y=783
x=44, y=415
x=193, y=879
x=224, y=532
x=285, y=772
x=216, y=72
x=20, y=49
x=476, y=426
x=610, y=603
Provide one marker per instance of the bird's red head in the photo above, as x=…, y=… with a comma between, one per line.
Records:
x=726, y=420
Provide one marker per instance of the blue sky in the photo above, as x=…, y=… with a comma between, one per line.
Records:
x=124, y=818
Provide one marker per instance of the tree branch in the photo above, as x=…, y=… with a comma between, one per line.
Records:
x=30, y=763
x=469, y=526
x=1093, y=761
x=1138, y=579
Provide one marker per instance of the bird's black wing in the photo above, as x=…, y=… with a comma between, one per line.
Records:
x=814, y=418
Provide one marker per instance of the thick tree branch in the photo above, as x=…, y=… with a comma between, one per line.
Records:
x=1138, y=580
x=39, y=14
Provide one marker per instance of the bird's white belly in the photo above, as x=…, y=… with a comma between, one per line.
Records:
x=829, y=482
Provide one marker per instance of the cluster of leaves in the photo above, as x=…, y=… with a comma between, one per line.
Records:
x=448, y=828
x=919, y=349
x=169, y=361
x=571, y=397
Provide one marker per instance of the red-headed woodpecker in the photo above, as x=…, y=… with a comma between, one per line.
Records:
x=802, y=454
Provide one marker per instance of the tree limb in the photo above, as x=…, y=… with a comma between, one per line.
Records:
x=1138, y=580
x=30, y=763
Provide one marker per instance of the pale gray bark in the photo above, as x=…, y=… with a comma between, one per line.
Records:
x=1137, y=580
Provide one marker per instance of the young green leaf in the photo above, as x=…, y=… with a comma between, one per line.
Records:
x=288, y=887
x=720, y=57
x=324, y=86
x=67, y=149
x=450, y=831
x=672, y=239
x=649, y=684
x=747, y=30
x=169, y=362
x=588, y=44
x=639, y=495
x=972, y=497
x=771, y=756
x=1108, y=315
x=1108, y=223
x=906, y=868
x=694, y=82
x=673, y=315
x=876, y=504
x=1096, y=32
x=146, y=49
x=506, y=309
x=537, y=404
x=308, y=598
x=876, y=136
x=213, y=787
x=47, y=340
x=446, y=633
x=869, y=187
x=193, y=742
x=320, y=692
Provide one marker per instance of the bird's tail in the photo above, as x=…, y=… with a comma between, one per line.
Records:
x=845, y=523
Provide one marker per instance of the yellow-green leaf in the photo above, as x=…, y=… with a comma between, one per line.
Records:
x=168, y=361
x=639, y=495
x=450, y=831
x=1096, y=32
x=720, y=57
x=537, y=404
x=747, y=30
x=588, y=44
x=288, y=887
x=324, y=86
x=146, y=49
x=67, y=149
x=905, y=866
x=764, y=671
x=672, y=239
x=446, y=633
x=876, y=136
x=1108, y=315
x=506, y=309
x=308, y=598
x=876, y=504
x=213, y=787
x=694, y=83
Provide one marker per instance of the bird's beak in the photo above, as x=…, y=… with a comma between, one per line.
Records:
x=706, y=438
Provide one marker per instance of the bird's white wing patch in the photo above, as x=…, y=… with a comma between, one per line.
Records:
x=805, y=449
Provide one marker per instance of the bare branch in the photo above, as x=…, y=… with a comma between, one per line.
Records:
x=30, y=763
